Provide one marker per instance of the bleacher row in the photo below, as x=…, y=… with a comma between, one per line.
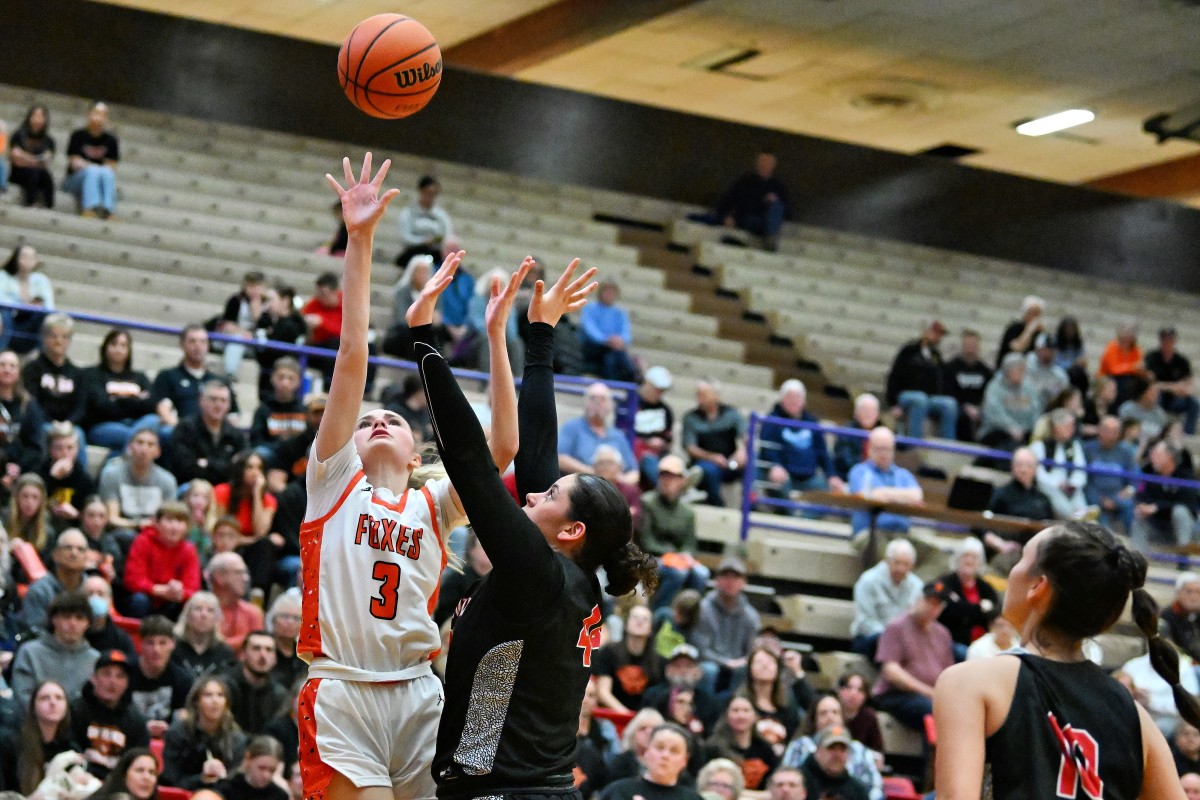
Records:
x=202, y=203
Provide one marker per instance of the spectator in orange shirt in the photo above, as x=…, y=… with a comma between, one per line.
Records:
x=1122, y=360
x=228, y=578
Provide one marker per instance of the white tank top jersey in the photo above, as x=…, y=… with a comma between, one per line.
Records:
x=372, y=567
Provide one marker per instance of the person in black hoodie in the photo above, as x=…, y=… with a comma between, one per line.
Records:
x=103, y=719
x=67, y=481
x=666, y=762
x=44, y=733
x=53, y=379
x=280, y=322
x=254, y=780
x=22, y=425
x=916, y=385
x=206, y=744
x=279, y=416
x=116, y=397
x=966, y=378
x=1163, y=510
x=972, y=601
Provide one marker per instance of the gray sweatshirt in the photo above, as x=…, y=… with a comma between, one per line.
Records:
x=46, y=658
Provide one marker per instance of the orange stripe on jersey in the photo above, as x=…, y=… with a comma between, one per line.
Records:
x=437, y=589
x=317, y=523
x=309, y=641
x=397, y=507
x=314, y=772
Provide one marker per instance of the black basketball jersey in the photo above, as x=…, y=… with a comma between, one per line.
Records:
x=514, y=688
x=1072, y=732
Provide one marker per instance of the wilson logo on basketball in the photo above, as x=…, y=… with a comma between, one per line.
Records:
x=411, y=77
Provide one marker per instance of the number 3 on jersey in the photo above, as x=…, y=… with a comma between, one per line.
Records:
x=384, y=606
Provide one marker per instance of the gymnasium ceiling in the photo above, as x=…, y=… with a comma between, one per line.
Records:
x=902, y=75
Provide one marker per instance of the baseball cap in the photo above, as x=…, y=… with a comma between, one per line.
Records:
x=659, y=378
x=938, y=590
x=684, y=651
x=672, y=465
x=111, y=658
x=833, y=734
x=732, y=564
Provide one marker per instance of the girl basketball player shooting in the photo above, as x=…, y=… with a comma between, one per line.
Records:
x=1047, y=722
x=523, y=642
x=373, y=551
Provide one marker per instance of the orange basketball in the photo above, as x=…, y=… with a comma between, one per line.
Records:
x=390, y=66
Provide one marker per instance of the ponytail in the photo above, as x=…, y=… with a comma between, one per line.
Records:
x=628, y=566
x=432, y=469
x=1163, y=656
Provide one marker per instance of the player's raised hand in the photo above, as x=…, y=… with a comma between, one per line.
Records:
x=567, y=294
x=500, y=302
x=362, y=205
x=421, y=311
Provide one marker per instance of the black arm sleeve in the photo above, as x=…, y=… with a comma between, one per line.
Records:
x=536, y=464
x=513, y=543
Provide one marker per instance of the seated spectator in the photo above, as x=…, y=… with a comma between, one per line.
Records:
x=476, y=321
x=1181, y=619
x=682, y=673
x=69, y=560
x=1010, y=406
x=255, y=695
x=1143, y=406
x=117, y=398
x=786, y=783
x=287, y=464
x=29, y=514
x=323, y=315
x=914, y=650
x=457, y=583
x=966, y=377
x=199, y=645
x=283, y=621
x=254, y=778
x=1001, y=636
x=176, y=391
x=1113, y=494
x=103, y=719
x=1185, y=748
x=916, y=385
x=1173, y=373
x=757, y=202
x=735, y=737
x=425, y=227
x=61, y=654
x=279, y=322
x=882, y=593
x=728, y=624
x=134, y=777
x=205, y=744
x=970, y=600
x=229, y=579
x=666, y=760
x=22, y=424
x=244, y=496
x=1019, y=335
x=397, y=341
x=203, y=445
x=158, y=686
x=1046, y=377
x=133, y=486
x=721, y=779
x=67, y=481
x=455, y=301
x=1123, y=362
x=408, y=400
x=1154, y=694
x=624, y=669
x=52, y=379
x=824, y=713
x=1190, y=784
x=654, y=423
x=30, y=151
x=629, y=763
x=861, y=720
x=607, y=464
x=605, y=335
x=44, y=733
x=850, y=450
x=1020, y=497
x=1164, y=512
x=163, y=568
x=714, y=438
x=281, y=415
x=240, y=317
x=667, y=531
x=826, y=773
x=878, y=478
x=578, y=438
x=767, y=691
x=92, y=155
x=1069, y=352
x=1063, y=485
x=797, y=458
x=1070, y=400
x=678, y=626
x=22, y=282
x=103, y=634
x=202, y=516
x=336, y=245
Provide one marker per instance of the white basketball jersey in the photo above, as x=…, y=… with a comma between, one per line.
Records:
x=372, y=566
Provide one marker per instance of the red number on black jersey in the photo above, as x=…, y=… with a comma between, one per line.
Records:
x=1079, y=766
x=589, y=635
x=384, y=606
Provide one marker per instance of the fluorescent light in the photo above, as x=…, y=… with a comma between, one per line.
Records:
x=1055, y=122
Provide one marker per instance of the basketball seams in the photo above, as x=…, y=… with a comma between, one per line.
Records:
x=398, y=62
x=366, y=52
x=385, y=104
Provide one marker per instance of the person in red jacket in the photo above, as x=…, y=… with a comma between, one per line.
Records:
x=163, y=568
